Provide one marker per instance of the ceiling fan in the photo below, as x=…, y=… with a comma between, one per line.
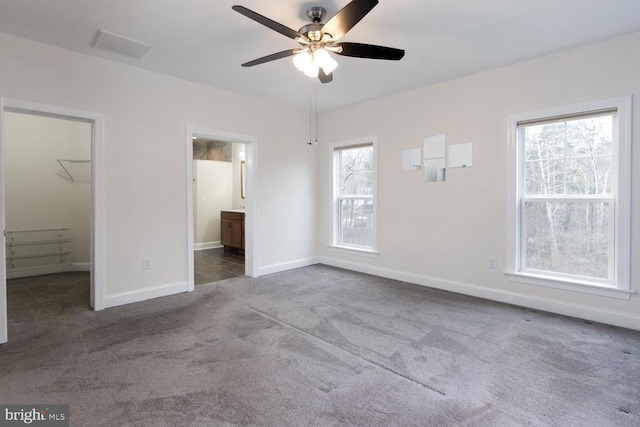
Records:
x=317, y=39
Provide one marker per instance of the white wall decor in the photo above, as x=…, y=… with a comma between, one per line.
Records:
x=411, y=160
x=434, y=158
x=461, y=155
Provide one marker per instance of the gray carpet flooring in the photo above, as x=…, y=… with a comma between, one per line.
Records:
x=316, y=346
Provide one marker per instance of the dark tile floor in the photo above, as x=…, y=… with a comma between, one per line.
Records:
x=212, y=265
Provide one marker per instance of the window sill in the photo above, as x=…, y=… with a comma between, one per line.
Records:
x=568, y=285
x=354, y=251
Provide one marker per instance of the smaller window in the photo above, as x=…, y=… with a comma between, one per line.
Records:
x=354, y=196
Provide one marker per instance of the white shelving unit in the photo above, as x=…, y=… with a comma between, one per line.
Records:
x=35, y=252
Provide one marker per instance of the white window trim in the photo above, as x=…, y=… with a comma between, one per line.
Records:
x=622, y=209
x=334, y=214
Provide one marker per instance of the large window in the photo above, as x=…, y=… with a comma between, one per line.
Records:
x=354, y=175
x=570, y=196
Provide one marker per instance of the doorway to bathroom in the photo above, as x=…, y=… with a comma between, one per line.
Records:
x=220, y=173
x=218, y=209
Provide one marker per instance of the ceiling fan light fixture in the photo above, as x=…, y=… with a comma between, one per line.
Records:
x=312, y=70
x=310, y=62
x=325, y=61
x=302, y=60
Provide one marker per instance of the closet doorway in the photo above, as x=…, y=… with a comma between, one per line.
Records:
x=48, y=206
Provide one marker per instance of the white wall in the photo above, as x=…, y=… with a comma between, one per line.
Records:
x=146, y=119
x=444, y=233
x=214, y=192
x=37, y=196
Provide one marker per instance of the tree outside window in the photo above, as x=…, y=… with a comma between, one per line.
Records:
x=354, y=190
x=570, y=197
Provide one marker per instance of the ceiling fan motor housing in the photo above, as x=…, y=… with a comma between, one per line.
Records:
x=313, y=31
x=316, y=14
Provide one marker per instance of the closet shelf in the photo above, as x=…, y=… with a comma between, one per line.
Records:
x=33, y=252
x=39, y=242
x=41, y=255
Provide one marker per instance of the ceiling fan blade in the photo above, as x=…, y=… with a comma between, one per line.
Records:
x=271, y=57
x=269, y=23
x=361, y=50
x=325, y=78
x=347, y=17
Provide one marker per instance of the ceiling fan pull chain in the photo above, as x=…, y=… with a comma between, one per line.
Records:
x=313, y=112
x=315, y=87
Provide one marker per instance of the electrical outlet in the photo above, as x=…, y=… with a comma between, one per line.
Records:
x=492, y=263
x=146, y=263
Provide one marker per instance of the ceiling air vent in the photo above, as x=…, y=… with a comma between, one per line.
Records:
x=120, y=44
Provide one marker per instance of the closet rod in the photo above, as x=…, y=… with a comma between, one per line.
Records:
x=70, y=161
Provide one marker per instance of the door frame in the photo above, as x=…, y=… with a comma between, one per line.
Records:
x=251, y=192
x=97, y=203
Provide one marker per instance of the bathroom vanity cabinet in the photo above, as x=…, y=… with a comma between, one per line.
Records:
x=232, y=229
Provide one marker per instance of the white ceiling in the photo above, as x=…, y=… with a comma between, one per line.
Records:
x=205, y=41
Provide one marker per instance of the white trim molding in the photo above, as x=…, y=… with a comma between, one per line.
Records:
x=207, y=245
x=41, y=271
x=81, y=266
x=4, y=335
x=145, y=294
x=574, y=285
x=353, y=251
x=600, y=315
x=285, y=266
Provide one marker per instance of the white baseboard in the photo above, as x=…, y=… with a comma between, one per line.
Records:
x=81, y=266
x=41, y=271
x=595, y=314
x=145, y=294
x=207, y=245
x=38, y=271
x=290, y=265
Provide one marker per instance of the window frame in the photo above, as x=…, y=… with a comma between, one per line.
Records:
x=620, y=206
x=335, y=242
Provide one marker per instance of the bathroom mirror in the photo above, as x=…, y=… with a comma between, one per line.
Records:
x=411, y=160
x=461, y=155
x=242, y=172
x=434, y=158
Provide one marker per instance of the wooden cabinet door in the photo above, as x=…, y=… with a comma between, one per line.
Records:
x=231, y=233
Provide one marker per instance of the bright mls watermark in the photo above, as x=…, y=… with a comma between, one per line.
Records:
x=34, y=415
